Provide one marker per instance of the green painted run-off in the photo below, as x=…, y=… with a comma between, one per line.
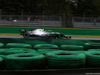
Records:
x=66, y=31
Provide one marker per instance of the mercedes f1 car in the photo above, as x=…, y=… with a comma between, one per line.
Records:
x=43, y=34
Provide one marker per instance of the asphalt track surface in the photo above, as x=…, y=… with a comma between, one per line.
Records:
x=19, y=36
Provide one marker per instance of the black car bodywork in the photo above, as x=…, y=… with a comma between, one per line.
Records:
x=42, y=34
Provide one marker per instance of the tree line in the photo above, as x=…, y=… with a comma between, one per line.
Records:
x=51, y=6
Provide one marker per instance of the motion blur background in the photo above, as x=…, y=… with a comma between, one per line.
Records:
x=50, y=13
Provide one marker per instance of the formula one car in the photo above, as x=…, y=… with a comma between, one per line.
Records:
x=42, y=34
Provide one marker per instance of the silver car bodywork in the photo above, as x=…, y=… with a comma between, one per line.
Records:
x=42, y=33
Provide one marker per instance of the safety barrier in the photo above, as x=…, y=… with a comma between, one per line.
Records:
x=53, y=55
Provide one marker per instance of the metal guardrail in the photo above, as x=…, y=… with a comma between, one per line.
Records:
x=31, y=23
x=31, y=20
x=86, y=22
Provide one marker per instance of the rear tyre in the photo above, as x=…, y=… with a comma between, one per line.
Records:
x=26, y=35
x=22, y=31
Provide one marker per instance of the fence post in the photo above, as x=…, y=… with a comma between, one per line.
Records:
x=63, y=25
x=0, y=13
x=73, y=21
x=22, y=14
x=42, y=17
x=84, y=17
x=60, y=18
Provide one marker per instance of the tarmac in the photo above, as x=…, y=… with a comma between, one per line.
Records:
x=19, y=36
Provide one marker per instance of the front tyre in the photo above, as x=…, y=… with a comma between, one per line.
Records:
x=67, y=37
x=70, y=37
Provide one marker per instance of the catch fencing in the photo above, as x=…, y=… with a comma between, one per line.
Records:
x=86, y=22
x=48, y=20
x=31, y=20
